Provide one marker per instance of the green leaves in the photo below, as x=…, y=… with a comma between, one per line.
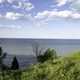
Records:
x=49, y=54
x=2, y=56
x=63, y=69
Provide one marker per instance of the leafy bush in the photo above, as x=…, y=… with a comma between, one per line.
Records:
x=2, y=56
x=15, y=64
x=47, y=55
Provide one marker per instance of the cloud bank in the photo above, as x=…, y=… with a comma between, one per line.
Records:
x=58, y=14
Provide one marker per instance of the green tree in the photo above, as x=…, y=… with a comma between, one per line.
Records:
x=15, y=64
x=2, y=66
x=2, y=56
x=49, y=54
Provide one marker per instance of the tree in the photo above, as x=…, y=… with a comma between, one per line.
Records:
x=49, y=54
x=37, y=49
x=2, y=56
x=15, y=64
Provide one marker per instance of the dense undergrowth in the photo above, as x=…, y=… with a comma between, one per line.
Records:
x=61, y=68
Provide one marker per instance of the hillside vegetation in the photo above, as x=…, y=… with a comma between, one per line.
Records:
x=55, y=68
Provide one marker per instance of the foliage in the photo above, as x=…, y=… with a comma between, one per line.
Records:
x=15, y=64
x=58, y=69
x=47, y=55
x=75, y=55
x=61, y=68
x=2, y=56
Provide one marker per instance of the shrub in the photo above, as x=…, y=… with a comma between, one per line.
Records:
x=49, y=54
x=15, y=64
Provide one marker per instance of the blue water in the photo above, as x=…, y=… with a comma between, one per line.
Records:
x=25, y=47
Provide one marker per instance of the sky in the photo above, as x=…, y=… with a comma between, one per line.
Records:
x=40, y=19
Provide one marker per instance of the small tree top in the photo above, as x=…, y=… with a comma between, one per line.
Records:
x=15, y=64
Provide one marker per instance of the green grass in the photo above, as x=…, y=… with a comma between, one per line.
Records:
x=75, y=55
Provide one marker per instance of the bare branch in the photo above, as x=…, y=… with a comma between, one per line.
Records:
x=37, y=50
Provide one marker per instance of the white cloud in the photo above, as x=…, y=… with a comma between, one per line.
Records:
x=42, y=15
x=0, y=16
x=28, y=6
x=58, y=14
x=9, y=1
x=1, y=1
x=19, y=4
x=74, y=4
x=63, y=2
x=16, y=16
x=76, y=16
x=12, y=15
x=64, y=13
x=24, y=5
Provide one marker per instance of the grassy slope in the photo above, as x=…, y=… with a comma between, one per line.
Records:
x=74, y=55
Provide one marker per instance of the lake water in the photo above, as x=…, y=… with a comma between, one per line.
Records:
x=25, y=47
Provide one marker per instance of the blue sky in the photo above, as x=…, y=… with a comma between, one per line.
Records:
x=40, y=18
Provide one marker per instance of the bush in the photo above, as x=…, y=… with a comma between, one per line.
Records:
x=49, y=54
x=15, y=64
